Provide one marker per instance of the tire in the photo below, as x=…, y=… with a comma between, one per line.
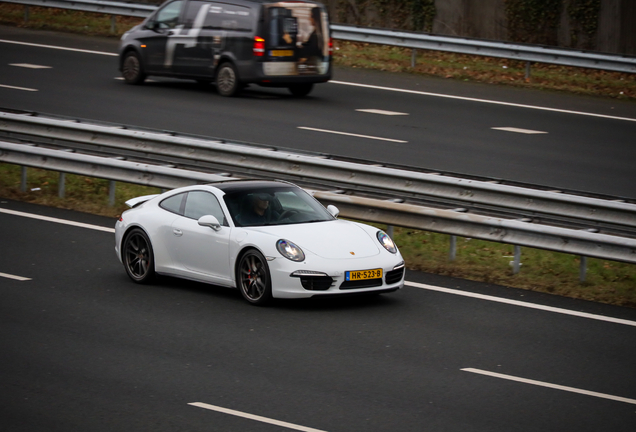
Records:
x=301, y=90
x=253, y=278
x=227, y=81
x=132, y=70
x=138, y=257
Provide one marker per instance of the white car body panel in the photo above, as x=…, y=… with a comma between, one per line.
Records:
x=185, y=249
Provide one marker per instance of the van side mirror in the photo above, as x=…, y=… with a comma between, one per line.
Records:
x=333, y=210
x=210, y=221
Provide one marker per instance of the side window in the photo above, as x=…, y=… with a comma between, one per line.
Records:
x=228, y=17
x=168, y=16
x=193, y=10
x=201, y=203
x=174, y=204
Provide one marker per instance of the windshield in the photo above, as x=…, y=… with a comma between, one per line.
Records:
x=274, y=206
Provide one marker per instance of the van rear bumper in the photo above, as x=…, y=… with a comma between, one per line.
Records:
x=256, y=74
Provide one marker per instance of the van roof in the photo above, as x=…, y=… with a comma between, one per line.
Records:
x=268, y=2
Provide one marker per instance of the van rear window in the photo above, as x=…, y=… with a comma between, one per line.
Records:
x=218, y=16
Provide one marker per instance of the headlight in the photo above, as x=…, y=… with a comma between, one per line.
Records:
x=289, y=250
x=386, y=241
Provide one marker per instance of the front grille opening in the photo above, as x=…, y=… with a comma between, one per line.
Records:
x=394, y=276
x=316, y=283
x=368, y=283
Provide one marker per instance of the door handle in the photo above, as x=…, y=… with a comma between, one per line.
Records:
x=177, y=232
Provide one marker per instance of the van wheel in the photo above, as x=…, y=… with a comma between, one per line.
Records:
x=300, y=90
x=132, y=70
x=227, y=83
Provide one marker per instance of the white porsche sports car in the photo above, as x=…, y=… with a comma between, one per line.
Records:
x=267, y=238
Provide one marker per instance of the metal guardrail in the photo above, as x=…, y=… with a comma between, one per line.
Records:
x=589, y=212
x=523, y=52
x=444, y=221
x=96, y=6
x=413, y=40
x=308, y=168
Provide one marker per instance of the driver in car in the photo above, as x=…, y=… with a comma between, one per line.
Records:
x=259, y=213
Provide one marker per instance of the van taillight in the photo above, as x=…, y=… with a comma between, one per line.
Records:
x=330, y=46
x=259, y=46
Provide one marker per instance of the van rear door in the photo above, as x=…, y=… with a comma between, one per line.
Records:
x=297, y=40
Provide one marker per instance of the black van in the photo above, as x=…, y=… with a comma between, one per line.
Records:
x=232, y=42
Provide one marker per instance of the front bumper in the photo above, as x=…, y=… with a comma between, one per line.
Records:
x=299, y=280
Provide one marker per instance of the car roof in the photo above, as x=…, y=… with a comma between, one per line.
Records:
x=232, y=186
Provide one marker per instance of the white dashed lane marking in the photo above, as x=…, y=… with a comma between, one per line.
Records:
x=382, y=112
x=14, y=277
x=18, y=88
x=550, y=385
x=518, y=130
x=29, y=66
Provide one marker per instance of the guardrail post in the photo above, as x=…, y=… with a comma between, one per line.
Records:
x=413, y=55
x=516, y=264
x=113, y=23
x=23, y=179
x=26, y=14
x=61, y=185
x=389, y=231
x=583, y=269
x=527, y=70
x=112, y=185
x=452, y=253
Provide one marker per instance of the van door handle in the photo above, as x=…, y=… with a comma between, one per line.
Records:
x=177, y=232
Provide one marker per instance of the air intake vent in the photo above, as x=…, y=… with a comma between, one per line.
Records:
x=394, y=276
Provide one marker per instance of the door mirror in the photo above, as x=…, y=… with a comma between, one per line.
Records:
x=210, y=221
x=333, y=210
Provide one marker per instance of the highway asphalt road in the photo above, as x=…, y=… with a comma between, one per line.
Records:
x=83, y=348
x=561, y=141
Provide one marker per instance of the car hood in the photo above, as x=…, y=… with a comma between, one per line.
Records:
x=332, y=240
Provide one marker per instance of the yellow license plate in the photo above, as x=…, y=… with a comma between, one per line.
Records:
x=281, y=53
x=363, y=274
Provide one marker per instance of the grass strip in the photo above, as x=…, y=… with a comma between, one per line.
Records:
x=550, y=272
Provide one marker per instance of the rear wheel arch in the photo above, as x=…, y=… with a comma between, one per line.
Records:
x=137, y=255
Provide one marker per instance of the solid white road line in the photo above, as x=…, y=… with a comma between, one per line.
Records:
x=549, y=385
x=56, y=220
x=18, y=278
x=522, y=304
x=382, y=112
x=254, y=417
x=373, y=87
x=58, y=48
x=517, y=130
x=18, y=88
x=483, y=101
x=351, y=134
x=30, y=66
x=407, y=283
